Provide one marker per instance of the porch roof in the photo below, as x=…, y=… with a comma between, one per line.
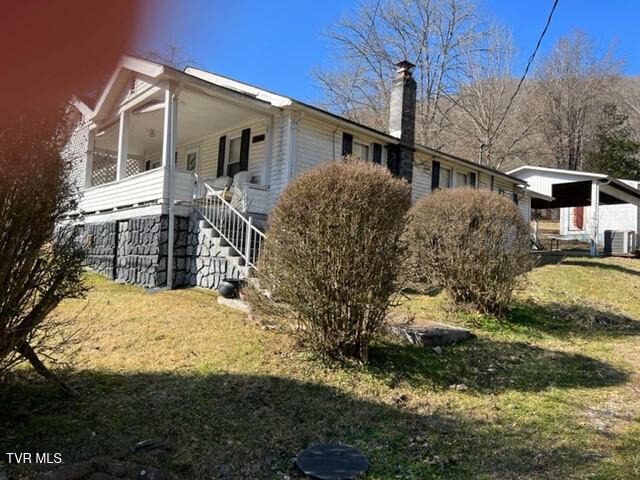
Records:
x=257, y=98
x=578, y=193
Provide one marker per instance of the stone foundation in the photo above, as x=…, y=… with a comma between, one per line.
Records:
x=135, y=250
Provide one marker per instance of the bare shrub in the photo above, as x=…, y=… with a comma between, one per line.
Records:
x=41, y=259
x=472, y=243
x=332, y=254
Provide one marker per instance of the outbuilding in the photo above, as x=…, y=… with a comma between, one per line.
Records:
x=589, y=203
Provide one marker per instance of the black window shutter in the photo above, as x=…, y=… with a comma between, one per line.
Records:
x=435, y=175
x=377, y=153
x=472, y=179
x=347, y=144
x=222, y=145
x=244, y=149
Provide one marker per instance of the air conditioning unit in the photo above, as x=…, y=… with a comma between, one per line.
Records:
x=620, y=242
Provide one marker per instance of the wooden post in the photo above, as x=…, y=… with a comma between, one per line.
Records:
x=123, y=146
x=595, y=217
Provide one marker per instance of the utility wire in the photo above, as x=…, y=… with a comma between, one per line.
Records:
x=529, y=63
x=357, y=73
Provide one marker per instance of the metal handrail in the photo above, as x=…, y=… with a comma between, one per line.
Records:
x=236, y=229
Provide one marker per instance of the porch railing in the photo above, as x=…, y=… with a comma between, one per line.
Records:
x=141, y=189
x=232, y=226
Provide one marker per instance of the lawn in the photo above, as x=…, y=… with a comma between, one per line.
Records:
x=554, y=393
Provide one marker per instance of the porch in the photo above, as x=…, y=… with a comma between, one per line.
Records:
x=160, y=151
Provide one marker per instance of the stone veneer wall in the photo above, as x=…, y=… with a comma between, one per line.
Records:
x=142, y=244
x=99, y=240
x=206, y=266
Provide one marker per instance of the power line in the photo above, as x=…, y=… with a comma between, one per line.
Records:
x=529, y=63
x=357, y=72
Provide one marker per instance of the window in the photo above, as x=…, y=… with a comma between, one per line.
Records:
x=150, y=165
x=192, y=160
x=233, y=163
x=445, y=177
x=461, y=179
x=360, y=150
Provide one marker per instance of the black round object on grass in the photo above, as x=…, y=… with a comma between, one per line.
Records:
x=229, y=287
x=332, y=461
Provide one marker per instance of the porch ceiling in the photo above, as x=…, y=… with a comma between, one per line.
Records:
x=198, y=116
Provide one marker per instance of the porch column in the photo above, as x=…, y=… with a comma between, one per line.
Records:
x=88, y=166
x=595, y=217
x=123, y=146
x=168, y=166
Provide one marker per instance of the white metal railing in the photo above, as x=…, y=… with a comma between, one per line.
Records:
x=236, y=229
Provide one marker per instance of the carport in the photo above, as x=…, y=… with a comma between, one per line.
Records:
x=593, y=192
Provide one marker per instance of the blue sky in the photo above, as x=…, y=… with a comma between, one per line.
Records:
x=277, y=44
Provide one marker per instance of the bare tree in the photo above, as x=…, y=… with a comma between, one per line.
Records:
x=485, y=124
x=627, y=97
x=576, y=82
x=436, y=35
x=169, y=54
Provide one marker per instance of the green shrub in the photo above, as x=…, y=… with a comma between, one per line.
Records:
x=332, y=254
x=472, y=243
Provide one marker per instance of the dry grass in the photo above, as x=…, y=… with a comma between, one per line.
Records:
x=549, y=395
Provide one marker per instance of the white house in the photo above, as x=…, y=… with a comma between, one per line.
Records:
x=178, y=170
x=589, y=203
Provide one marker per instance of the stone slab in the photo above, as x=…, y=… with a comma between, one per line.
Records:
x=431, y=334
x=234, y=303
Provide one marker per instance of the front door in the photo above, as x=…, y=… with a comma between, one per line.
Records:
x=576, y=215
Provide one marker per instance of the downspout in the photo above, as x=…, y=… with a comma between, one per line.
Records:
x=292, y=124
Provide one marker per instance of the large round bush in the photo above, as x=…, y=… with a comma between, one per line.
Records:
x=472, y=243
x=333, y=252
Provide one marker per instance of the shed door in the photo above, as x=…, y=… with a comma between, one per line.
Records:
x=576, y=218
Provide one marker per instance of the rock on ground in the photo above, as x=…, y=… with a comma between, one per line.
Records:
x=431, y=334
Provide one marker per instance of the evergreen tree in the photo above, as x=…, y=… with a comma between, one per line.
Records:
x=615, y=151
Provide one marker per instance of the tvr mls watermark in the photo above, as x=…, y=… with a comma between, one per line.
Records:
x=39, y=458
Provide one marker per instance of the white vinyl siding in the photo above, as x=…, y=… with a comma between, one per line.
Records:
x=484, y=181
x=208, y=147
x=524, y=205
x=421, y=184
x=316, y=144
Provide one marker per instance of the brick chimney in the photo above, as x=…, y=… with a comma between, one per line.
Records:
x=402, y=120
